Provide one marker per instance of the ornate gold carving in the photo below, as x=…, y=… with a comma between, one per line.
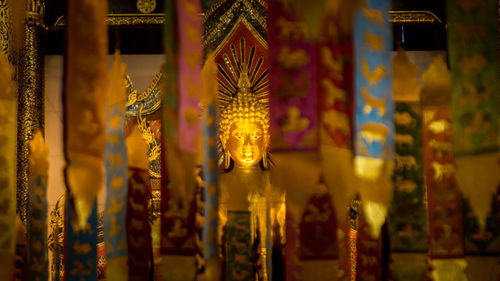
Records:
x=30, y=104
x=6, y=31
x=124, y=20
x=413, y=17
x=35, y=12
x=242, y=19
x=146, y=6
x=149, y=137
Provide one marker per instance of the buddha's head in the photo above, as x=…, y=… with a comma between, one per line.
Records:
x=244, y=128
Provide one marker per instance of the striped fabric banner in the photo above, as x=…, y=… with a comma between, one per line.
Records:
x=81, y=244
x=8, y=144
x=116, y=170
x=374, y=127
x=472, y=44
x=294, y=118
x=37, y=210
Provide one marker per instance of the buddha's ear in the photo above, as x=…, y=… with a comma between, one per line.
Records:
x=222, y=142
x=265, y=163
x=227, y=159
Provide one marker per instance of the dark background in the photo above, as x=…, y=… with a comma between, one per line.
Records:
x=148, y=39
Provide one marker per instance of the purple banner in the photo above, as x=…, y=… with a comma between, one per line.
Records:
x=293, y=98
x=190, y=51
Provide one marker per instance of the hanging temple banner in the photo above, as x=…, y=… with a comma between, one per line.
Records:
x=84, y=111
x=114, y=218
x=37, y=209
x=190, y=55
x=80, y=244
x=407, y=226
x=294, y=118
x=210, y=166
x=374, y=124
x=138, y=228
x=472, y=44
x=84, y=135
x=444, y=199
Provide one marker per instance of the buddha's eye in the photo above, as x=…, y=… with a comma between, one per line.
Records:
x=256, y=135
x=238, y=135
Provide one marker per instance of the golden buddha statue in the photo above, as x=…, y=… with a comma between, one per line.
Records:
x=245, y=186
x=244, y=128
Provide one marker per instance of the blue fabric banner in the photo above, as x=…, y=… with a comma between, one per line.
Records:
x=116, y=184
x=37, y=229
x=374, y=127
x=211, y=176
x=81, y=245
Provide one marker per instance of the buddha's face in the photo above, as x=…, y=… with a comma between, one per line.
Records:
x=246, y=143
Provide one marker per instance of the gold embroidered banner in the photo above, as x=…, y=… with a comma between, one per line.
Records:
x=84, y=109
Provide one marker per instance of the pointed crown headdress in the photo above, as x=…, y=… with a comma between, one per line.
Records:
x=244, y=106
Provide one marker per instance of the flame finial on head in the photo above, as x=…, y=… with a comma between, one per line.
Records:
x=244, y=84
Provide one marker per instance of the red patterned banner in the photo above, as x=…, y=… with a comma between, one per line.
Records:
x=180, y=128
x=318, y=229
x=294, y=118
x=444, y=200
x=138, y=227
x=334, y=76
x=444, y=208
